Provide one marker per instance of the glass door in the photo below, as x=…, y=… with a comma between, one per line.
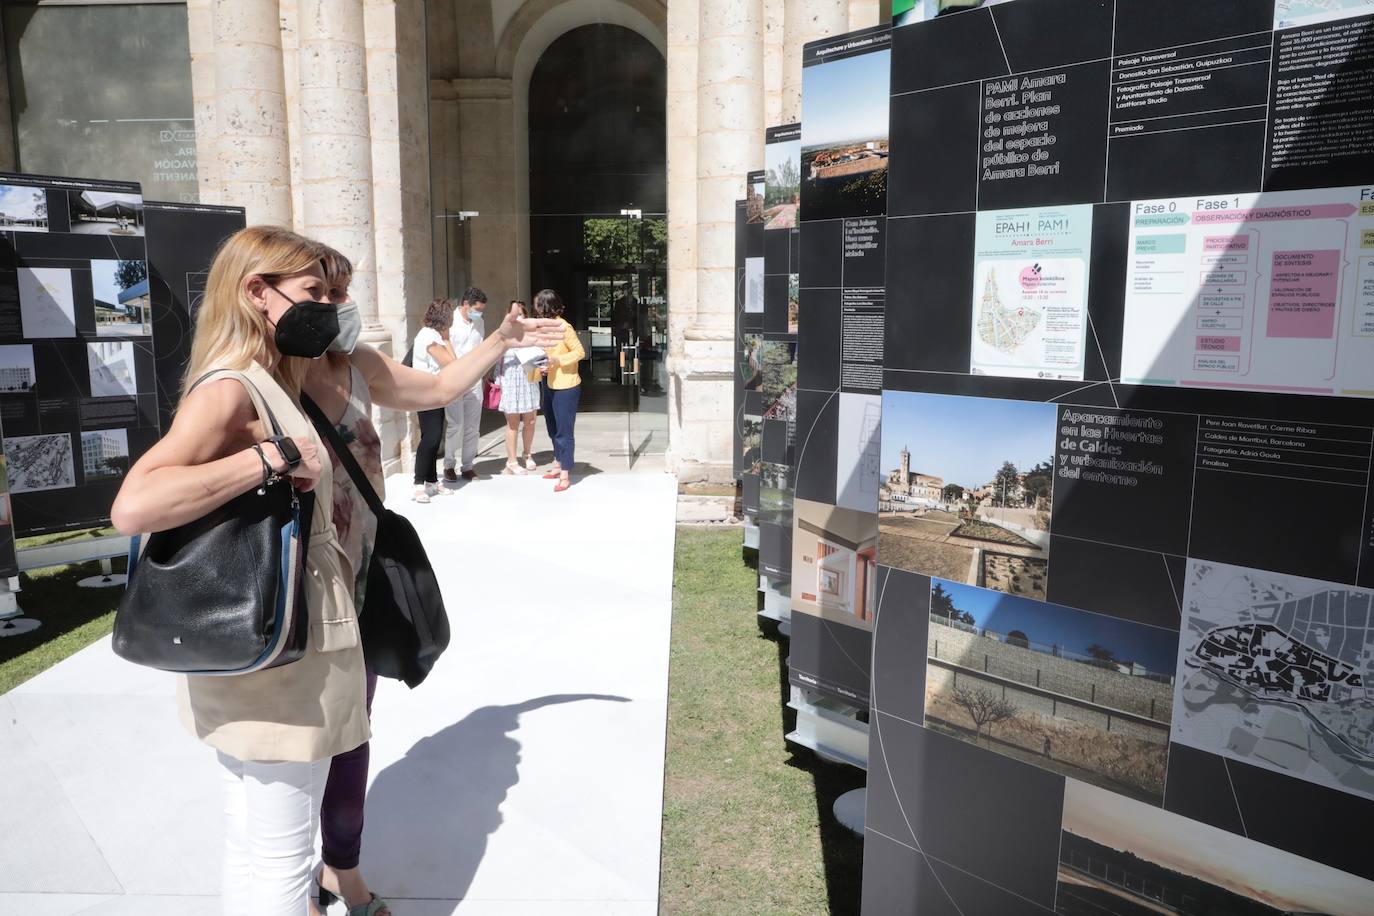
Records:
x=648, y=424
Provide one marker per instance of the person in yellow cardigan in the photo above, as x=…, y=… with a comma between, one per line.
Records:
x=560, y=390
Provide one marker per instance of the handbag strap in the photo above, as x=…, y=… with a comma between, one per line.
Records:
x=265, y=413
x=345, y=455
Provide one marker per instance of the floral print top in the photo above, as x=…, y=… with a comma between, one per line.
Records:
x=353, y=520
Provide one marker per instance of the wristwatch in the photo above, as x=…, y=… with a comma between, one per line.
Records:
x=288, y=451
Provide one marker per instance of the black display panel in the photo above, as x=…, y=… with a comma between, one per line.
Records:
x=78, y=398
x=182, y=241
x=750, y=350
x=778, y=349
x=843, y=190
x=1128, y=433
x=742, y=372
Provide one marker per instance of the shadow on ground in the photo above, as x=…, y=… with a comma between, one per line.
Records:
x=842, y=850
x=429, y=814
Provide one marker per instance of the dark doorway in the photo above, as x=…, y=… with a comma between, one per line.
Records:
x=598, y=201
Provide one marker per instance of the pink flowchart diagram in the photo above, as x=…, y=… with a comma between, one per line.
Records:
x=1260, y=292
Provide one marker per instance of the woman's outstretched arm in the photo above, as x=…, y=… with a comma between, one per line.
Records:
x=397, y=386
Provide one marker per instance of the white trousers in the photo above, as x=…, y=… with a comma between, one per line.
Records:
x=464, y=418
x=273, y=810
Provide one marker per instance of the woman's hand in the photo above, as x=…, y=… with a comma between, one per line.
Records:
x=307, y=473
x=529, y=332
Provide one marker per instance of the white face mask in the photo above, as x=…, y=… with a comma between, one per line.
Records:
x=350, y=326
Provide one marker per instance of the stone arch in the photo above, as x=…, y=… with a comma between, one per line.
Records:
x=543, y=21
x=535, y=26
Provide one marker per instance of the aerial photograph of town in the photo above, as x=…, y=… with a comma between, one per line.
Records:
x=966, y=490
x=844, y=137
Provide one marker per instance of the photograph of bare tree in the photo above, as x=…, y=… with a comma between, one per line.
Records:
x=1082, y=694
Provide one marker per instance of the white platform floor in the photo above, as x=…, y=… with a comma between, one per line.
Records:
x=524, y=777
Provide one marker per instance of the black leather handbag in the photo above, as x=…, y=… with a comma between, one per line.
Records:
x=224, y=594
x=403, y=623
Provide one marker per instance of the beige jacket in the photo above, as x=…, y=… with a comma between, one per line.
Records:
x=312, y=708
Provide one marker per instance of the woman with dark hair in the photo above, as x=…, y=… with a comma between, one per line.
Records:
x=432, y=352
x=561, y=389
x=346, y=383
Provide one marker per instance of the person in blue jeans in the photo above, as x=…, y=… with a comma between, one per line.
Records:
x=561, y=389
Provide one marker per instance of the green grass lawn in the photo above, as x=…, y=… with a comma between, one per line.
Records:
x=747, y=827
x=72, y=618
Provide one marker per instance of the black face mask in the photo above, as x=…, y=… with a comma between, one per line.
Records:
x=307, y=328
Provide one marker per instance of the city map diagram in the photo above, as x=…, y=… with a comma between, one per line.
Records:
x=39, y=463
x=1000, y=327
x=1276, y=671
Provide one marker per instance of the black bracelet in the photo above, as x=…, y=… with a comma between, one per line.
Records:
x=269, y=475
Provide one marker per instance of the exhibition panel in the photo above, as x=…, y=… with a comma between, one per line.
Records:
x=778, y=351
x=748, y=373
x=182, y=241
x=98, y=289
x=78, y=403
x=843, y=191
x=749, y=332
x=1126, y=453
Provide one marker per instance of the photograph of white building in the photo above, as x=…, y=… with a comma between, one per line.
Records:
x=112, y=369
x=104, y=453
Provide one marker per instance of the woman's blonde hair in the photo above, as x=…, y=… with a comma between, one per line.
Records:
x=230, y=331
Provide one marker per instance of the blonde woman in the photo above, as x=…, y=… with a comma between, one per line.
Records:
x=264, y=315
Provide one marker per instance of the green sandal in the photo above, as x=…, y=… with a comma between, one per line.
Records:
x=371, y=908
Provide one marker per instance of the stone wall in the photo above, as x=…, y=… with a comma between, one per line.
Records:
x=286, y=90
x=312, y=114
x=1138, y=695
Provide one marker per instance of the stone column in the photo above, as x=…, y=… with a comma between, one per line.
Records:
x=252, y=157
x=865, y=14
x=289, y=14
x=806, y=22
x=774, y=41
x=729, y=144
x=336, y=144
x=488, y=177
x=682, y=196
x=200, y=30
x=397, y=86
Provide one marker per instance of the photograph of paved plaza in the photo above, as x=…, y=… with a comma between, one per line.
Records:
x=966, y=490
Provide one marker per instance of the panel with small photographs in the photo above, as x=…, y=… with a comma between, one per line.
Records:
x=843, y=191
x=1124, y=633
x=78, y=390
